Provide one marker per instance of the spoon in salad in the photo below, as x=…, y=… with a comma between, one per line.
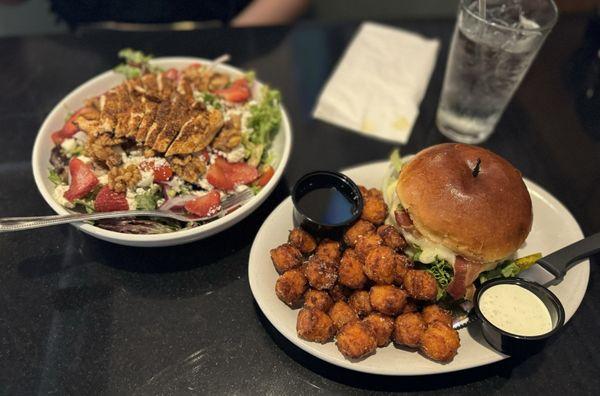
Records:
x=10, y=224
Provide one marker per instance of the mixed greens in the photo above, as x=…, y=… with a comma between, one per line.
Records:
x=135, y=63
x=263, y=123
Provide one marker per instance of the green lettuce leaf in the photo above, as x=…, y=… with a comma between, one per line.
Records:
x=263, y=124
x=442, y=272
x=135, y=64
x=396, y=160
x=250, y=76
x=207, y=98
x=149, y=199
x=55, y=178
x=510, y=268
x=86, y=203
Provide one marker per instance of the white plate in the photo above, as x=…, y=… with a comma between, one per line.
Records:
x=553, y=228
x=43, y=145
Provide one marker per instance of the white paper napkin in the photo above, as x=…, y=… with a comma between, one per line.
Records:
x=377, y=87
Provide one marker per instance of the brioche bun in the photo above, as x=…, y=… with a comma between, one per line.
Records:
x=482, y=216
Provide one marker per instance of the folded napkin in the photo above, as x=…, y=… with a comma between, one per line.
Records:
x=378, y=86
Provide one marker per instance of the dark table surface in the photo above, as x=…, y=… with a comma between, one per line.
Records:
x=82, y=316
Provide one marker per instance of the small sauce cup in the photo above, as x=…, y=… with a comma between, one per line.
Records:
x=340, y=206
x=514, y=344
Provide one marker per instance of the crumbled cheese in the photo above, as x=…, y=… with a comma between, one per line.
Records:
x=244, y=123
x=69, y=144
x=131, y=199
x=147, y=177
x=212, y=157
x=203, y=182
x=81, y=137
x=198, y=193
x=158, y=161
x=131, y=159
x=240, y=188
x=236, y=155
x=103, y=179
x=176, y=183
x=136, y=158
x=160, y=202
x=59, y=193
x=198, y=96
x=85, y=159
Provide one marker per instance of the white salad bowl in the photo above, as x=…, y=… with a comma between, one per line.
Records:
x=281, y=147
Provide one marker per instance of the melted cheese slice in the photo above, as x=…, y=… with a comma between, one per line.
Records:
x=429, y=249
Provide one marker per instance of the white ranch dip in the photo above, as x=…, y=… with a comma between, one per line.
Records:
x=515, y=310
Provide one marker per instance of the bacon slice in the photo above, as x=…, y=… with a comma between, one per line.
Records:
x=465, y=273
x=404, y=220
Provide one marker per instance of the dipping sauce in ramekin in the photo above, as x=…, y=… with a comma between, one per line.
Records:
x=517, y=316
x=515, y=310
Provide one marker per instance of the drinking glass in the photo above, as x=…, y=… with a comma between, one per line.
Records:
x=489, y=55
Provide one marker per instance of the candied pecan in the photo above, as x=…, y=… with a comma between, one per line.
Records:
x=121, y=178
x=101, y=148
x=217, y=81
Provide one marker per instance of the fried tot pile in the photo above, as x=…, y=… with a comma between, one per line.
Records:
x=363, y=291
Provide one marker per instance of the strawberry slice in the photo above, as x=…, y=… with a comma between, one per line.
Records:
x=238, y=91
x=237, y=172
x=83, y=180
x=108, y=200
x=218, y=179
x=162, y=173
x=68, y=130
x=205, y=205
x=265, y=177
x=226, y=175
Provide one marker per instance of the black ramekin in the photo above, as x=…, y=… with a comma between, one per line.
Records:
x=324, y=179
x=512, y=344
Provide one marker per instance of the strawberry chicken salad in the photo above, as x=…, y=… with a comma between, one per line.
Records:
x=181, y=140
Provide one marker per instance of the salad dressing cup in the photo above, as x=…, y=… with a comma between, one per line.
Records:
x=325, y=203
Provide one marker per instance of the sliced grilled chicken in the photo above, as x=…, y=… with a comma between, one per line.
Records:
x=150, y=110
x=89, y=120
x=179, y=114
x=196, y=134
x=125, y=105
x=162, y=113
